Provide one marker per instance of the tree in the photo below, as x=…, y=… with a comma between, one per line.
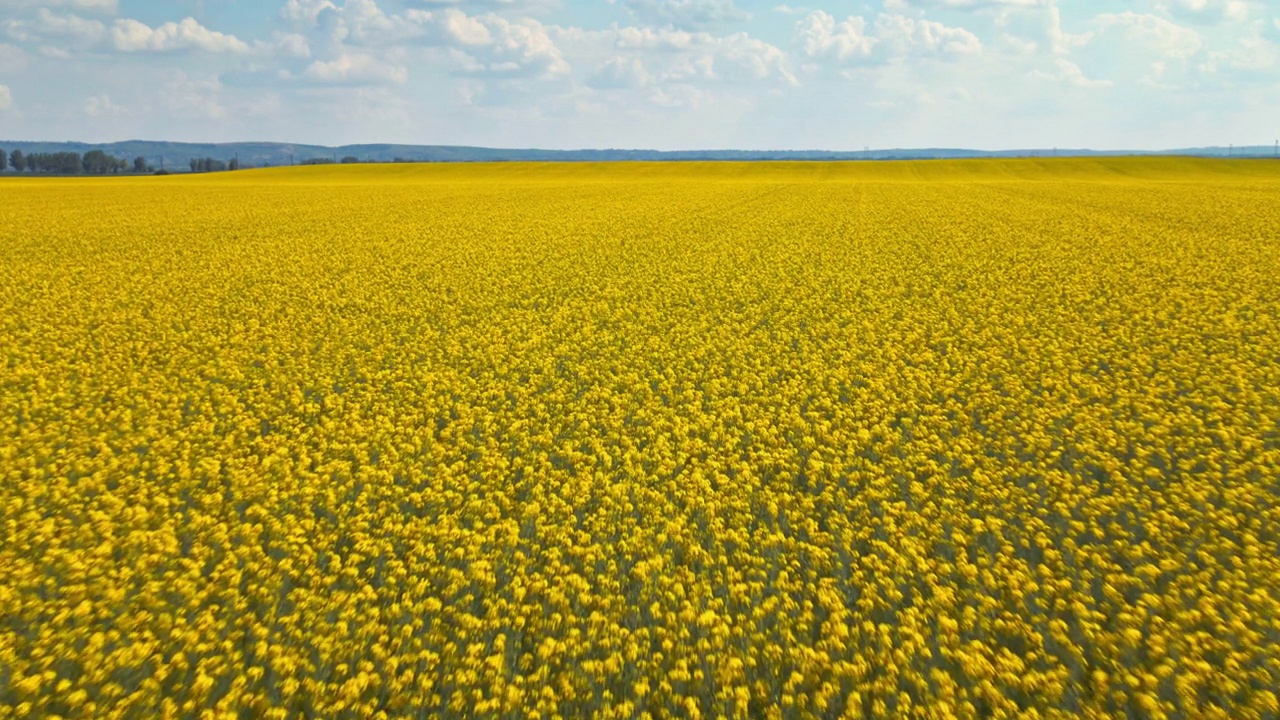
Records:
x=235, y=163
x=4, y=160
x=97, y=162
x=18, y=161
x=139, y=164
x=350, y=159
x=195, y=165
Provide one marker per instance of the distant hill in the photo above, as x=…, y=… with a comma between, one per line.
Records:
x=176, y=156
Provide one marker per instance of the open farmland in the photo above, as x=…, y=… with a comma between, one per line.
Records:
x=936, y=439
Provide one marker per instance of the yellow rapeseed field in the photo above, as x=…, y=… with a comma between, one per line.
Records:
x=908, y=440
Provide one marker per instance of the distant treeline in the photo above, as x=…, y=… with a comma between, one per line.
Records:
x=208, y=164
x=95, y=162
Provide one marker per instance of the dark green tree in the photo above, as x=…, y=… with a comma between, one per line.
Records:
x=4, y=161
x=139, y=164
x=97, y=162
x=18, y=162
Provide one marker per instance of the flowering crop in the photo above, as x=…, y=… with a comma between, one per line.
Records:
x=935, y=439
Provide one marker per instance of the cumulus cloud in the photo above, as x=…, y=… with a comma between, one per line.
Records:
x=106, y=7
x=620, y=72
x=1252, y=57
x=12, y=58
x=358, y=69
x=293, y=45
x=677, y=97
x=821, y=37
x=979, y=4
x=490, y=43
x=305, y=11
x=190, y=99
x=101, y=106
x=852, y=40
x=501, y=6
x=1074, y=76
x=47, y=24
x=6, y=98
x=132, y=36
x=670, y=55
x=1206, y=11
x=918, y=36
x=755, y=59
x=687, y=14
x=1152, y=32
x=1061, y=41
x=362, y=21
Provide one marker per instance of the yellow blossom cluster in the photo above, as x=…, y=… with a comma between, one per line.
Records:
x=917, y=440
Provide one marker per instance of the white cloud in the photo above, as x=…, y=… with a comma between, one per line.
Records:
x=918, y=36
x=106, y=7
x=1061, y=41
x=687, y=14
x=1253, y=56
x=293, y=45
x=821, y=37
x=676, y=56
x=362, y=21
x=6, y=98
x=451, y=27
x=194, y=100
x=620, y=72
x=12, y=58
x=305, y=11
x=491, y=44
x=756, y=59
x=526, y=7
x=677, y=97
x=357, y=69
x=1074, y=76
x=665, y=40
x=981, y=4
x=488, y=44
x=785, y=9
x=101, y=106
x=48, y=24
x=132, y=36
x=1206, y=11
x=1155, y=33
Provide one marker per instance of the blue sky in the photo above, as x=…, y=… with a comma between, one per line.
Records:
x=665, y=74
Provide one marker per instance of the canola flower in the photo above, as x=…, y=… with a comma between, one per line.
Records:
x=918, y=440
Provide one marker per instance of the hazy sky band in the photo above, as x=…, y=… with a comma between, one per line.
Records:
x=665, y=74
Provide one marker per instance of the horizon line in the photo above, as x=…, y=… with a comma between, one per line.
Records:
x=532, y=148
